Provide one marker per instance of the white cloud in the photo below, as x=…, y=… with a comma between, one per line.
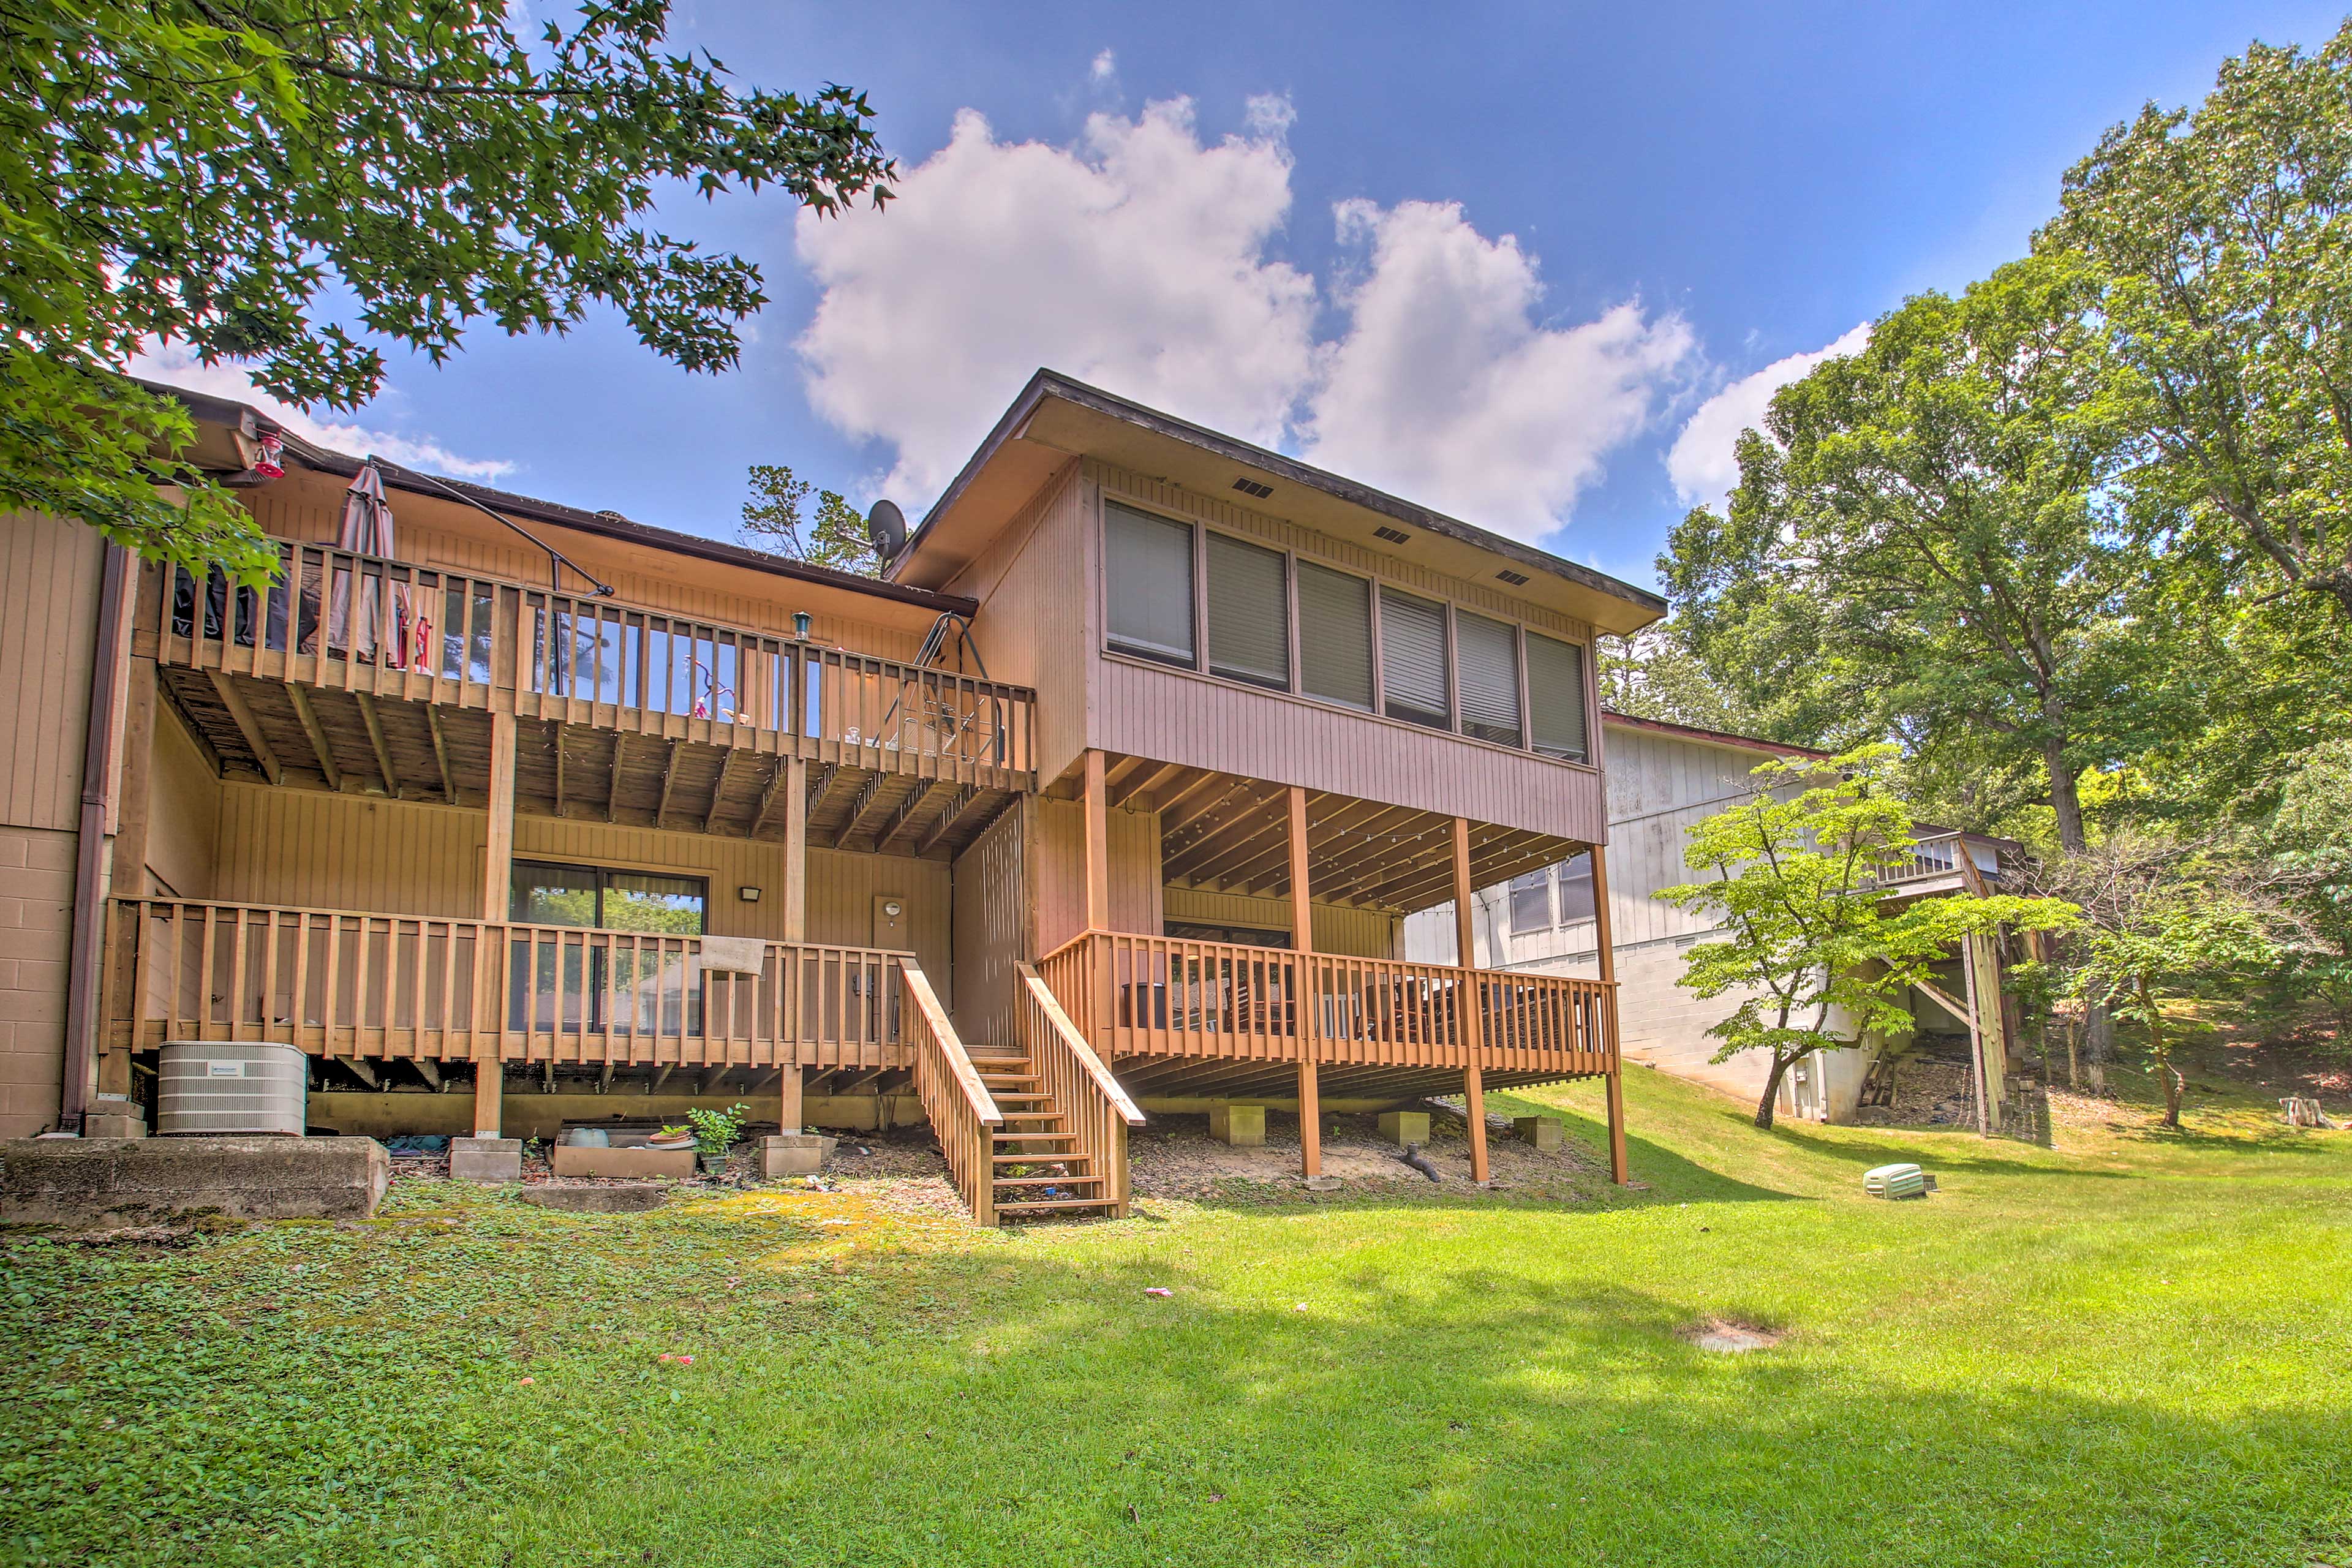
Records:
x=1704, y=461
x=1137, y=259
x=1106, y=66
x=177, y=365
x=1448, y=389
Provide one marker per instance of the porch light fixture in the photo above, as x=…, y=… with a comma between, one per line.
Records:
x=800, y=623
x=748, y=895
x=890, y=908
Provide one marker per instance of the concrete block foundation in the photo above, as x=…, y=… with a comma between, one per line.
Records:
x=486, y=1159
x=793, y=1155
x=1405, y=1126
x=1242, y=1126
x=1544, y=1133
x=94, y=1182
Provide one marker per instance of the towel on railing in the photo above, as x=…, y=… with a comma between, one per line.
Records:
x=734, y=954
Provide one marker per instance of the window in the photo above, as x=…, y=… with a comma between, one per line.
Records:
x=1249, y=613
x=1576, y=890
x=1490, y=677
x=1335, y=636
x=600, y=981
x=1414, y=673
x=1149, y=569
x=1531, y=903
x=1556, y=698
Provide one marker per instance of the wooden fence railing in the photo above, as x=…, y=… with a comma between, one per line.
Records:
x=339, y=621
x=1147, y=995
x=963, y=1113
x=1938, y=856
x=1094, y=1107
x=346, y=984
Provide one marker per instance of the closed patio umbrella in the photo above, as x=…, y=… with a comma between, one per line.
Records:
x=356, y=627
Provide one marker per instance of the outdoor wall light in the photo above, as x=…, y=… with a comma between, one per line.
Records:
x=748, y=895
x=800, y=623
x=891, y=909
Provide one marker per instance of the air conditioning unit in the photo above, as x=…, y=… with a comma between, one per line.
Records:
x=221, y=1086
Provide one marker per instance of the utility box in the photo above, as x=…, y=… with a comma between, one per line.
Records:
x=230, y=1086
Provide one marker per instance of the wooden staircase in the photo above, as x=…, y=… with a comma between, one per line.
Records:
x=1039, y=1169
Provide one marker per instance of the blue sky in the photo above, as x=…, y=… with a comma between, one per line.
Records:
x=1496, y=257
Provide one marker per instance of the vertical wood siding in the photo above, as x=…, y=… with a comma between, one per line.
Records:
x=1062, y=881
x=988, y=935
x=311, y=849
x=49, y=574
x=1356, y=933
x=184, y=807
x=1036, y=624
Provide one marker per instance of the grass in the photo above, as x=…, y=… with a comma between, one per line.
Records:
x=2129, y=1349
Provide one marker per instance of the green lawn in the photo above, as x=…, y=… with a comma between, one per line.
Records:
x=2135, y=1350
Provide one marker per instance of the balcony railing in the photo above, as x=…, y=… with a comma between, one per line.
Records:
x=1926, y=859
x=338, y=620
x=349, y=983
x=1147, y=996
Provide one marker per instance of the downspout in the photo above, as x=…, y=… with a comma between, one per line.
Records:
x=90, y=908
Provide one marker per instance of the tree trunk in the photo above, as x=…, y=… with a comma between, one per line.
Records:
x=2159, y=1051
x=2065, y=798
x=2098, y=1042
x=1772, y=1100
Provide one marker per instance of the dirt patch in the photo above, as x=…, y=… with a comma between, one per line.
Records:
x=1172, y=1156
x=1727, y=1336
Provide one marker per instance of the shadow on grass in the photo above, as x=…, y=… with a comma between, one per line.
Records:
x=1441, y=1412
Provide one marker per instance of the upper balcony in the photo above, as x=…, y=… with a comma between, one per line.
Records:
x=355, y=671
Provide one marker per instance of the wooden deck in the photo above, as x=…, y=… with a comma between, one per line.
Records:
x=1200, y=1017
x=336, y=983
x=352, y=672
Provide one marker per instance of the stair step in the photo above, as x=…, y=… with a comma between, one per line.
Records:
x=1033, y=1116
x=1002, y=1099
x=1048, y=1157
x=1050, y=1181
x=1052, y=1205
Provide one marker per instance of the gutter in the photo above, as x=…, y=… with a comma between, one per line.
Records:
x=89, y=851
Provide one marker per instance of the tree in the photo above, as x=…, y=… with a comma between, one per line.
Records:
x=1654, y=674
x=1917, y=548
x=237, y=174
x=2309, y=838
x=2161, y=919
x=835, y=538
x=1819, y=956
x=2217, y=237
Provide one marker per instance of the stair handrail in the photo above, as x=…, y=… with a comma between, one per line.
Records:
x=942, y=1032
x=1076, y=1042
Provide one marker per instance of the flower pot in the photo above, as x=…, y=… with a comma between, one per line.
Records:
x=712, y=1164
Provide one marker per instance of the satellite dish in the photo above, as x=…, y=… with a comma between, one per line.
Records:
x=886, y=529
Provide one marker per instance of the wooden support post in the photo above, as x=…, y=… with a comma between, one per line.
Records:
x=497, y=871
x=487, y=1082
x=788, y=1099
x=1469, y=1001
x=1304, y=999
x=127, y=875
x=796, y=816
x=1606, y=945
x=1097, y=866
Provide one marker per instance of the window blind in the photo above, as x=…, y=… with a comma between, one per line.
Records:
x=1576, y=889
x=1413, y=670
x=1249, y=614
x=1531, y=903
x=1149, y=573
x=1335, y=636
x=1556, y=698
x=1490, y=677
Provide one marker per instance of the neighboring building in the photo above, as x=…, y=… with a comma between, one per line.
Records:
x=1662, y=780
x=531, y=807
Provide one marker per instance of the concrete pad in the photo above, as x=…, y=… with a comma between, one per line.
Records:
x=1405, y=1127
x=793, y=1155
x=95, y=1181
x=633, y=1197
x=1322, y=1183
x=1543, y=1132
x=666, y=1165
x=1243, y=1126
x=486, y=1159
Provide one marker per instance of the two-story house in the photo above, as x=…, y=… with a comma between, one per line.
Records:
x=1112, y=794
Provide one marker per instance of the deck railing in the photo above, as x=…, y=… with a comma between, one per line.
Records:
x=350, y=984
x=1927, y=859
x=1094, y=1109
x=341, y=621
x=963, y=1115
x=1147, y=995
